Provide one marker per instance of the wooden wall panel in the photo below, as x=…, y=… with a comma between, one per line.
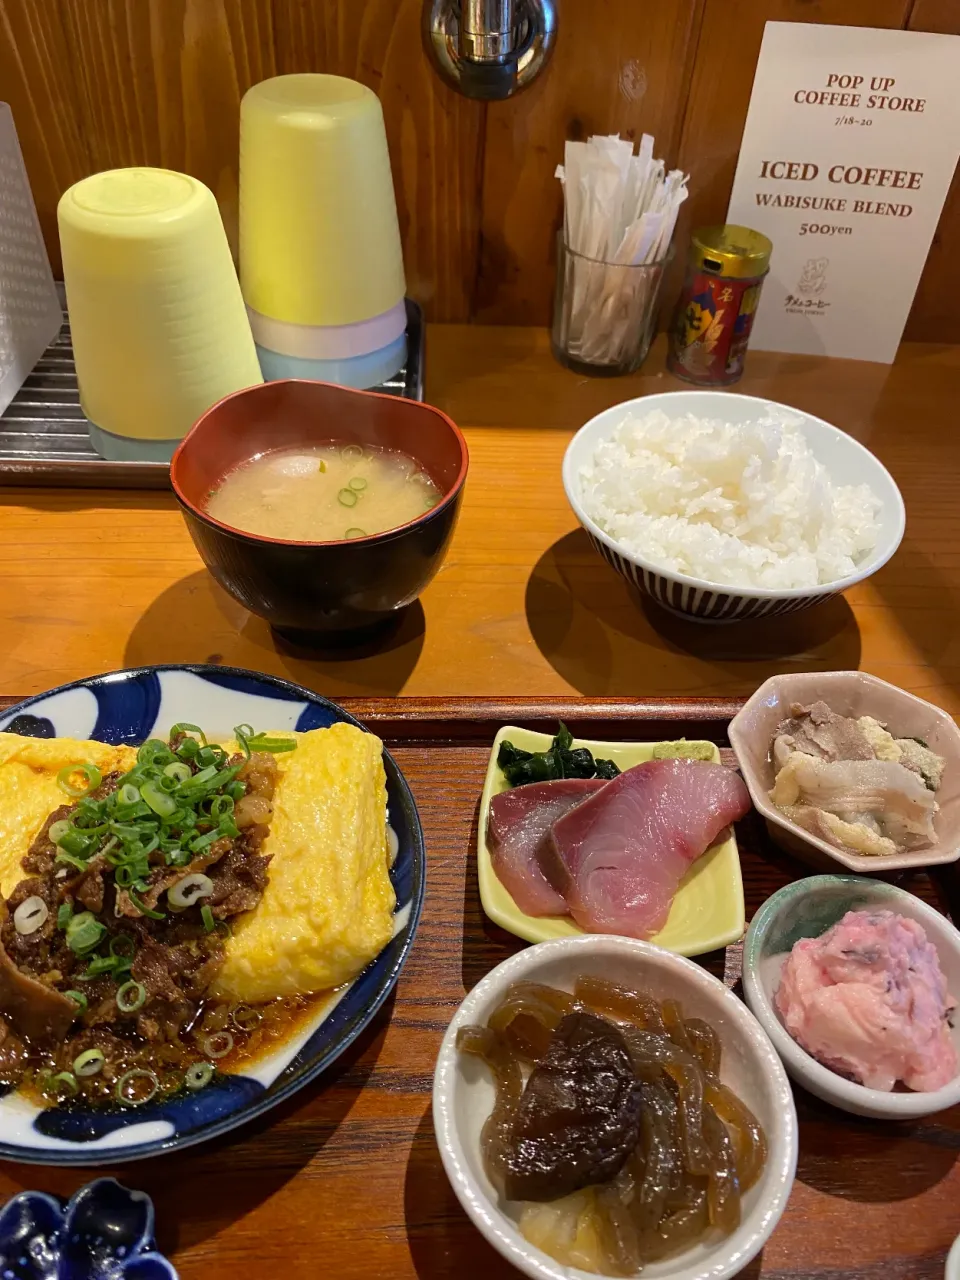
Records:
x=97, y=83
x=433, y=132
x=37, y=80
x=160, y=83
x=934, y=317
x=619, y=66
x=720, y=89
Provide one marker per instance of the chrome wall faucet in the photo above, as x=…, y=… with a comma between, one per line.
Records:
x=489, y=48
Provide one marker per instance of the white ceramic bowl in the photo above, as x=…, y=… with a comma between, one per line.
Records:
x=463, y=1094
x=847, y=461
x=952, y=1271
x=806, y=909
x=849, y=693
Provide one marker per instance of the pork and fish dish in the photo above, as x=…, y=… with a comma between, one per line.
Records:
x=178, y=909
x=850, y=781
x=573, y=836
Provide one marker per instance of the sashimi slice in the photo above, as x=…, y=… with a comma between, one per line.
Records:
x=517, y=829
x=618, y=857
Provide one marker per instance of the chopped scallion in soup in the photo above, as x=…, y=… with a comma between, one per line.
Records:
x=324, y=494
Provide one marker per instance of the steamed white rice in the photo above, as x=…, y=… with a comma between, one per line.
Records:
x=744, y=505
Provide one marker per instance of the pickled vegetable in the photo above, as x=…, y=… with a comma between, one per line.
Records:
x=623, y=1142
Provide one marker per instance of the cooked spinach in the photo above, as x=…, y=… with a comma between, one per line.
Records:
x=560, y=760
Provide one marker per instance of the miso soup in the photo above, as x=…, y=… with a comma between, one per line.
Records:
x=324, y=493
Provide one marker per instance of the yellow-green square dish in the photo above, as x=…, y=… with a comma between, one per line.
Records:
x=708, y=910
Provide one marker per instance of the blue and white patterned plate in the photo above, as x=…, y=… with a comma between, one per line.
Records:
x=130, y=706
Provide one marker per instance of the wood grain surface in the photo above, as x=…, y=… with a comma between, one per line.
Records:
x=618, y=68
x=95, y=83
x=93, y=580
x=345, y=1179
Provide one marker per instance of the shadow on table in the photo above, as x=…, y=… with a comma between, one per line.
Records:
x=603, y=637
x=195, y=620
x=55, y=498
x=883, y=1161
x=442, y=1239
x=485, y=944
x=923, y=598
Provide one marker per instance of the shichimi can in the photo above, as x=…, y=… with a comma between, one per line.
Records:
x=711, y=325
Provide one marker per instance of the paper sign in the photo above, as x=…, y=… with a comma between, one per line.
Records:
x=850, y=144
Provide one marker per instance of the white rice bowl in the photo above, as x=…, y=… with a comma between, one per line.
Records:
x=736, y=503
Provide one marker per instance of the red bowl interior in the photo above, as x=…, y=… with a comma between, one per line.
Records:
x=294, y=413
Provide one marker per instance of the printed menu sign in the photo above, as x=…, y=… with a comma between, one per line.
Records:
x=850, y=144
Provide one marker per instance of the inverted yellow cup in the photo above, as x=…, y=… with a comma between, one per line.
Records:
x=319, y=238
x=159, y=329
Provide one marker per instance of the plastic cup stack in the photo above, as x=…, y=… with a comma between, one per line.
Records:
x=320, y=257
x=160, y=332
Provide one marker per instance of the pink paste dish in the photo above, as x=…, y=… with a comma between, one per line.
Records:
x=868, y=999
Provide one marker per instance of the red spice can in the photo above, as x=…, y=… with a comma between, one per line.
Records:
x=714, y=315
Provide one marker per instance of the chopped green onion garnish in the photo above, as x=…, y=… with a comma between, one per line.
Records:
x=79, y=998
x=189, y=728
x=143, y=908
x=216, y=1045
x=358, y=484
x=128, y=1079
x=206, y=915
x=158, y=800
x=261, y=742
x=154, y=753
x=179, y=771
x=356, y=533
x=131, y=997
x=91, y=779
x=245, y=1018
x=100, y=965
x=58, y=830
x=347, y=498
x=64, y=913
x=69, y=858
x=89, y=1063
x=199, y=1075
x=123, y=945
x=128, y=794
x=84, y=932
x=77, y=842
x=66, y=1080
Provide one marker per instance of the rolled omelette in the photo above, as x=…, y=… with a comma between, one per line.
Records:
x=328, y=907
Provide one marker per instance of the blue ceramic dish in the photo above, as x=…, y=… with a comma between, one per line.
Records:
x=130, y=706
x=104, y=1232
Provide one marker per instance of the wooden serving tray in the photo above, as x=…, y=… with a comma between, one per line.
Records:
x=345, y=1179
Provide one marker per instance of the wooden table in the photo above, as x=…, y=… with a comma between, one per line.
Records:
x=344, y=1180
x=94, y=581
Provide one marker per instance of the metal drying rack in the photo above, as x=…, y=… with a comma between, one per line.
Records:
x=43, y=432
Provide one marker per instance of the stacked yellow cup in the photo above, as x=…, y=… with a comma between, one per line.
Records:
x=159, y=328
x=320, y=258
